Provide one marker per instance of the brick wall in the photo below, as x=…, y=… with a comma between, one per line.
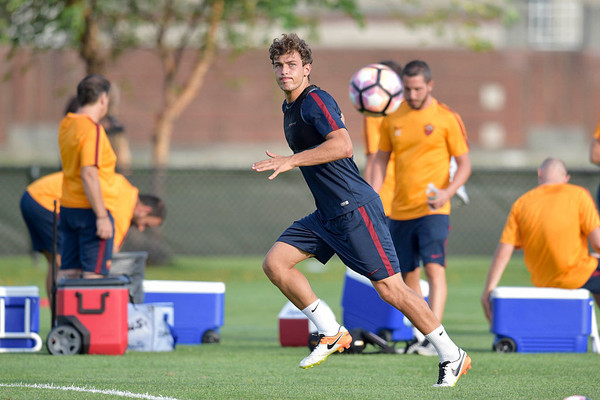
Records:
x=240, y=101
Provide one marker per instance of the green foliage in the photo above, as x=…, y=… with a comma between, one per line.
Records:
x=45, y=24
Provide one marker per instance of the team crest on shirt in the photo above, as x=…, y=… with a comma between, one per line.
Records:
x=398, y=132
x=428, y=129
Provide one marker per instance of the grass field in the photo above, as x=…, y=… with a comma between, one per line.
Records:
x=249, y=363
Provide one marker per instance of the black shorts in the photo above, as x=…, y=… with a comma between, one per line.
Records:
x=360, y=238
x=421, y=240
x=40, y=224
x=593, y=284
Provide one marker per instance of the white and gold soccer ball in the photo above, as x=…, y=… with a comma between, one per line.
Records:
x=375, y=90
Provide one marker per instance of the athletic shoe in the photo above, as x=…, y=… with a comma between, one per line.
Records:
x=450, y=371
x=462, y=194
x=426, y=349
x=412, y=347
x=327, y=345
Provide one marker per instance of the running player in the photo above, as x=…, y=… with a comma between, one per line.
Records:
x=349, y=219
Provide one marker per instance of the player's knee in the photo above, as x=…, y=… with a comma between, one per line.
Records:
x=391, y=290
x=269, y=267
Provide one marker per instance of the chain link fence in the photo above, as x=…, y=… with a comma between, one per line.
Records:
x=241, y=212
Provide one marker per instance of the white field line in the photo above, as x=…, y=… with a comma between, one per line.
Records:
x=86, y=389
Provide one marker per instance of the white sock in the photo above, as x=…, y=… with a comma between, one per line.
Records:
x=418, y=335
x=445, y=347
x=323, y=318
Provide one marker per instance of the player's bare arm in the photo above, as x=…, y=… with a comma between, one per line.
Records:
x=91, y=185
x=378, y=169
x=501, y=258
x=463, y=171
x=337, y=145
x=594, y=239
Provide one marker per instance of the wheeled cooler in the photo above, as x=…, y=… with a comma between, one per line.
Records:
x=19, y=319
x=199, y=307
x=541, y=320
x=363, y=308
x=91, y=317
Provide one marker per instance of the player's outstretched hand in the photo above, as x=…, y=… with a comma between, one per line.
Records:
x=275, y=162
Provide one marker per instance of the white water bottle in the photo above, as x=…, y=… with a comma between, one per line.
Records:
x=431, y=192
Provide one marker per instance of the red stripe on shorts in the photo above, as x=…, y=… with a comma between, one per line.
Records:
x=101, y=250
x=334, y=126
x=384, y=258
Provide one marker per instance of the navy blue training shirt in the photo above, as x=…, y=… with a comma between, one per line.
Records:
x=336, y=186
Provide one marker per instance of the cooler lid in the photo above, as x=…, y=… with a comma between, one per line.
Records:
x=511, y=292
x=130, y=254
x=23, y=291
x=160, y=286
x=118, y=280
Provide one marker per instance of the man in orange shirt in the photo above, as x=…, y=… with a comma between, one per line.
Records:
x=89, y=189
x=423, y=135
x=37, y=204
x=552, y=223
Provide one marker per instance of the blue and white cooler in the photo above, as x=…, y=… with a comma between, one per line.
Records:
x=19, y=319
x=364, y=309
x=199, y=307
x=542, y=320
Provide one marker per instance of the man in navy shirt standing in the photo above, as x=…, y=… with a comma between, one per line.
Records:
x=349, y=220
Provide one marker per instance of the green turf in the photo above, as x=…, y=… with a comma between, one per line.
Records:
x=249, y=363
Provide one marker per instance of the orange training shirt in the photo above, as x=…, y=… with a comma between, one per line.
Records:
x=128, y=196
x=46, y=189
x=597, y=133
x=84, y=143
x=371, y=135
x=421, y=142
x=551, y=223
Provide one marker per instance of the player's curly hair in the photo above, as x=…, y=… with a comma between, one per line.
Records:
x=290, y=42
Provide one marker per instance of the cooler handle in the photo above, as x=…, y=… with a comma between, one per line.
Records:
x=100, y=310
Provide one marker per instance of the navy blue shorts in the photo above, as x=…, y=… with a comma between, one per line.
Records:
x=82, y=248
x=360, y=238
x=593, y=284
x=40, y=224
x=421, y=240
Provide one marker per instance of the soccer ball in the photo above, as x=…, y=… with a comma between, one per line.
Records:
x=375, y=90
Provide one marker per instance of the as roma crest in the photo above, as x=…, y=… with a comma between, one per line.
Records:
x=428, y=129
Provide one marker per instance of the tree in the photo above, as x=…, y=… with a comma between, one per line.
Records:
x=101, y=30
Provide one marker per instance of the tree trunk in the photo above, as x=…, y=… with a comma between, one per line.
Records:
x=163, y=131
x=176, y=101
x=95, y=58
